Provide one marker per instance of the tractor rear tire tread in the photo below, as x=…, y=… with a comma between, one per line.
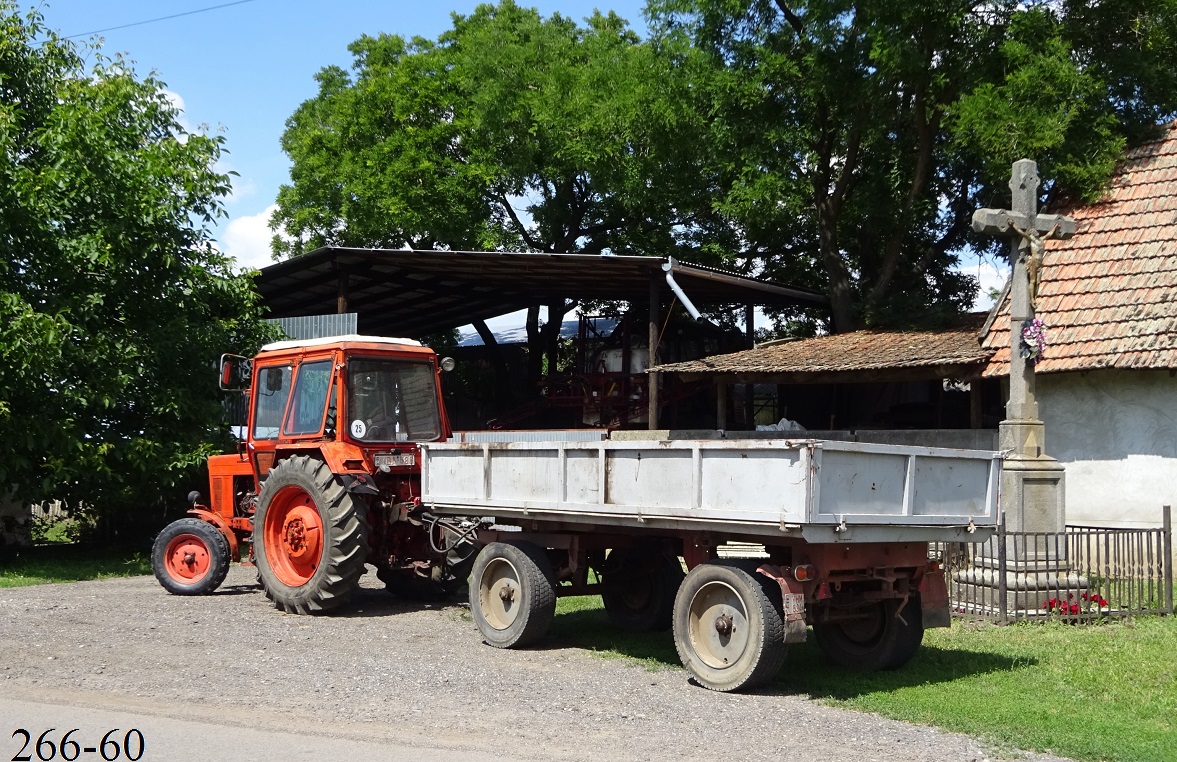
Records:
x=344, y=559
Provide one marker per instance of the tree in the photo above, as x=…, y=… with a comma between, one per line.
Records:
x=853, y=138
x=511, y=131
x=114, y=304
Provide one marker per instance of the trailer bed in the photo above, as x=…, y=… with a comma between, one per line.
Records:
x=817, y=490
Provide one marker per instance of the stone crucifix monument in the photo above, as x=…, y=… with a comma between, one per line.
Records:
x=1032, y=481
x=1032, y=496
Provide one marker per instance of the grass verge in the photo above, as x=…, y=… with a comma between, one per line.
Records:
x=69, y=563
x=1089, y=692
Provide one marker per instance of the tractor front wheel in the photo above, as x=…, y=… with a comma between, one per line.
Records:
x=190, y=557
x=310, y=537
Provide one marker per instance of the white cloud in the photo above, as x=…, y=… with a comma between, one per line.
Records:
x=177, y=101
x=242, y=187
x=181, y=117
x=991, y=277
x=247, y=239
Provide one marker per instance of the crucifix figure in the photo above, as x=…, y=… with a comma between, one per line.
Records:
x=1028, y=232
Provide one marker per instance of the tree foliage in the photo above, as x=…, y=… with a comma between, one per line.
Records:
x=510, y=131
x=853, y=138
x=114, y=305
x=839, y=145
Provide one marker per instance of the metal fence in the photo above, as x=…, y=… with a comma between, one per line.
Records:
x=1080, y=574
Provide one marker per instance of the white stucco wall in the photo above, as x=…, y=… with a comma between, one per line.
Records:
x=1116, y=434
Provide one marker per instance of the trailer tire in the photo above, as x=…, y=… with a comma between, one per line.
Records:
x=512, y=594
x=638, y=592
x=880, y=641
x=190, y=557
x=310, y=537
x=729, y=629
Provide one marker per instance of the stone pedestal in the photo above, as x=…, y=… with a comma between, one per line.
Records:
x=979, y=590
x=1036, y=565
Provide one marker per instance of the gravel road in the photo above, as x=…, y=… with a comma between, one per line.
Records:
x=404, y=674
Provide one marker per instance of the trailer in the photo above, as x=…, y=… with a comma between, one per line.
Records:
x=348, y=463
x=845, y=529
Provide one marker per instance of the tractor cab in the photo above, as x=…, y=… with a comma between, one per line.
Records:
x=363, y=402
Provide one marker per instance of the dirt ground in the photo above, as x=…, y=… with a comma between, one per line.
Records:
x=404, y=674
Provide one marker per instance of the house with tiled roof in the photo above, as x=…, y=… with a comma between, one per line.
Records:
x=1106, y=383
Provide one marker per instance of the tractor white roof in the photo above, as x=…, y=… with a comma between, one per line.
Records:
x=351, y=337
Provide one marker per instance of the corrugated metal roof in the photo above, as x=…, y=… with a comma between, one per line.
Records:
x=851, y=352
x=413, y=293
x=315, y=326
x=1108, y=296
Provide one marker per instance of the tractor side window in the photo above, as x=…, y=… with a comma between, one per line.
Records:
x=273, y=387
x=309, y=399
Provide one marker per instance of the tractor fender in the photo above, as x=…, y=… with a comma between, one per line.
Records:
x=223, y=526
x=340, y=457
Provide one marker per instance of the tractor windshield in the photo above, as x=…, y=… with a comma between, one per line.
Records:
x=392, y=401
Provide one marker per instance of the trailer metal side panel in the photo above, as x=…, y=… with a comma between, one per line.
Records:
x=762, y=485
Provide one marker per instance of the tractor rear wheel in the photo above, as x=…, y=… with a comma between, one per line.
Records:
x=310, y=537
x=190, y=557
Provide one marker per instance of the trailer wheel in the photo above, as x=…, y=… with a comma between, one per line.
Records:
x=638, y=592
x=878, y=640
x=310, y=537
x=190, y=557
x=728, y=627
x=512, y=594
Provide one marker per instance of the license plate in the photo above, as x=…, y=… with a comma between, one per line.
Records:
x=396, y=459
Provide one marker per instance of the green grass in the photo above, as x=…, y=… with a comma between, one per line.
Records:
x=1090, y=692
x=68, y=563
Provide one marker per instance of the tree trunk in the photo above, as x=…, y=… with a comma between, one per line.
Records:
x=841, y=300
x=551, y=332
x=501, y=396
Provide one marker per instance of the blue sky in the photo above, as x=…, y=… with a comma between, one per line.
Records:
x=244, y=68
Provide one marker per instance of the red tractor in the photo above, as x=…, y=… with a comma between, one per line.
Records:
x=326, y=480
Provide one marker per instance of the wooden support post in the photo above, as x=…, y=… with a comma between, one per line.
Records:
x=975, y=403
x=721, y=404
x=750, y=389
x=652, y=345
x=341, y=301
